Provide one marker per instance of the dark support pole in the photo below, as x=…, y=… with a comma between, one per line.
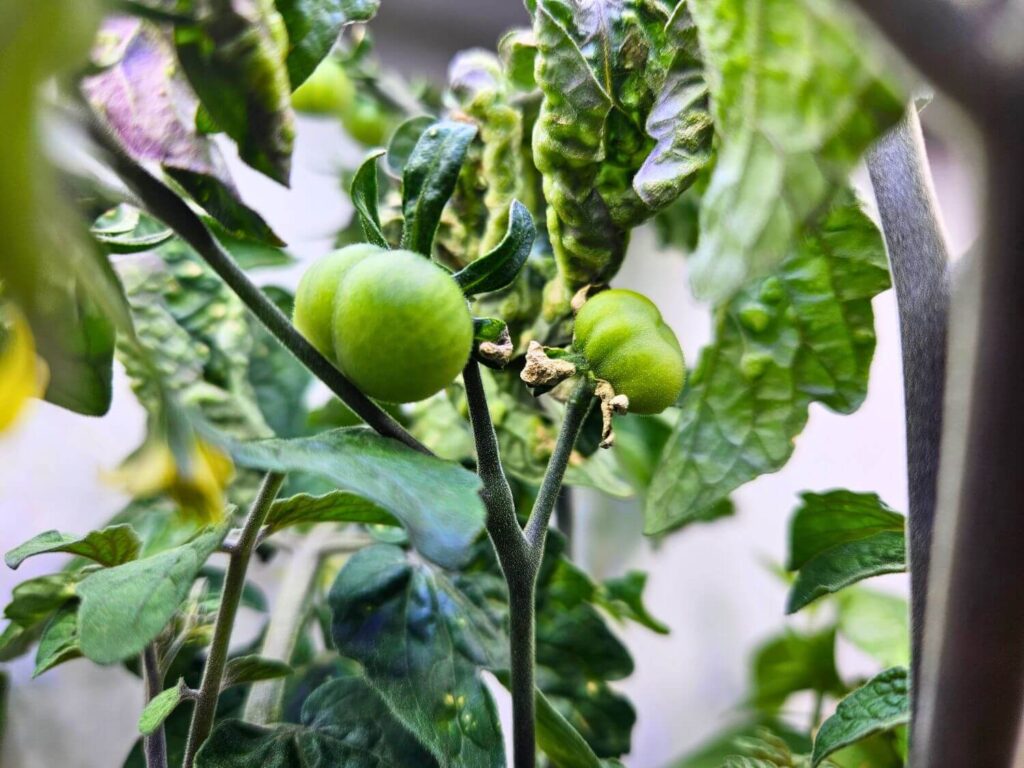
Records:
x=919, y=259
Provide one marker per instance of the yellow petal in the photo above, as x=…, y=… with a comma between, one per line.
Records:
x=22, y=375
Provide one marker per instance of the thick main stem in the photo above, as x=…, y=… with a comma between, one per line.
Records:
x=154, y=746
x=231, y=595
x=919, y=258
x=165, y=205
x=522, y=598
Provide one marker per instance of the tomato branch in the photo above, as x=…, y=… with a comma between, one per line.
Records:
x=154, y=746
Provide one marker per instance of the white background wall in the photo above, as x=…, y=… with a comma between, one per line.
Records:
x=712, y=584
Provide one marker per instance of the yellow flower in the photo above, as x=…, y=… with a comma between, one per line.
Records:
x=22, y=374
x=197, y=487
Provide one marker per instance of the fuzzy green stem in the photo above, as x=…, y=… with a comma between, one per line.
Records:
x=234, y=583
x=165, y=205
x=154, y=746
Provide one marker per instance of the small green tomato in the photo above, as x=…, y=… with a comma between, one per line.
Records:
x=365, y=121
x=627, y=343
x=318, y=288
x=328, y=91
x=402, y=329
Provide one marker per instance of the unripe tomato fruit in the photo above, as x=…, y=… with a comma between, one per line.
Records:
x=402, y=329
x=365, y=121
x=318, y=288
x=328, y=91
x=627, y=343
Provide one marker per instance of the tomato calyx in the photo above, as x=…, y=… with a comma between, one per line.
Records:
x=612, y=404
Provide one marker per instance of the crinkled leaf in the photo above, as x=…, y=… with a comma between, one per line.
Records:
x=365, y=199
x=249, y=669
x=59, y=641
x=422, y=642
x=109, y=546
x=403, y=142
x=234, y=57
x=795, y=662
x=847, y=564
x=436, y=501
x=142, y=97
x=826, y=520
x=125, y=607
x=797, y=96
x=881, y=704
x=498, y=268
x=334, y=507
x=518, y=49
x=429, y=179
x=344, y=723
x=160, y=708
x=313, y=28
x=877, y=623
x=679, y=120
x=803, y=335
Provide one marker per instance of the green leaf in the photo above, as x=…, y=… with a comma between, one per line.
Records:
x=403, y=142
x=343, y=723
x=715, y=752
x=241, y=224
x=365, y=198
x=679, y=120
x=559, y=740
x=518, y=49
x=111, y=546
x=33, y=601
x=847, y=564
x=143, y=98
x=313, y=28
x=234, y=58
x=125, y=607
x=877, y=623
x=826, y=520
x=251, y=252
x=422, y=642
x=623, y=598
x=249, y=669
x=59, y=641
x=429, y=179
x=804, y=335
x=795, y=662
x=334, y=507
x=882, y=704
x=126, y=229
x=160, y=708
x=797, y=96
x=4, y=686
x=436, y=501
x=498, y=268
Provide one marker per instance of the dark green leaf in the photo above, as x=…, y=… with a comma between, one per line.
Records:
x=334, y=507
x=125, y=607
x=498, y=268
x=795, y=662
x=4, y=686
x=794, y=118
x=559, y=740
x=679, y=120
x=624, y=598
x=882, y=704
x=826, y=520
x=221, y=200
x=714, y=753
x=313, y=28
x=345, y=724
x=110, y=546
x=436, y=501
x=59, y=641
x=364, y=199
x=33, y=601
x=805, y=335
x=422, y=643
x=16, y=640
x=234, y=57
x=248, y=252
x=847, y=564
x=403, y=142
x=249, y=669
x=429, y=180
x=161, y=707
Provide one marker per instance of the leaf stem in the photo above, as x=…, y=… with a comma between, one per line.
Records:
x=231, y=595
x=165, y=205
x=154, y=746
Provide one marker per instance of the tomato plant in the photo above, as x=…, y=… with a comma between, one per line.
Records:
x=482, y=359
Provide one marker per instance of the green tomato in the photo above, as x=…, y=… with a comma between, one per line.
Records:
x=318, y=288
x=365, y=121
x=328, y=91
x=627, y=343
x=402, y=328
